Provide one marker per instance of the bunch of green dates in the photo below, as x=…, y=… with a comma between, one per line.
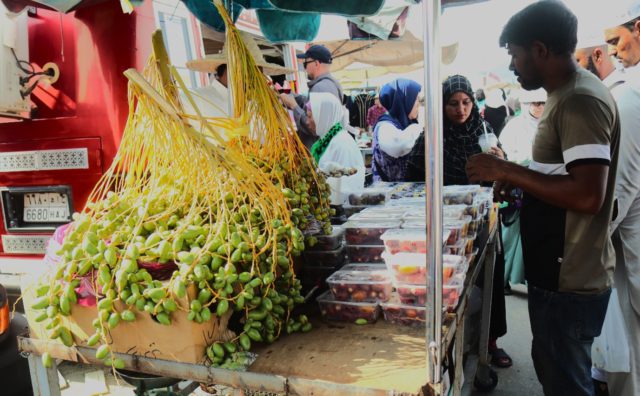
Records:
x=239, y=266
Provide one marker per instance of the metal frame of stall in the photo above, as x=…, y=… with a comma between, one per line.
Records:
x=444, y=333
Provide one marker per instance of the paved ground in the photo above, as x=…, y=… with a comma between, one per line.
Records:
x=520, y=379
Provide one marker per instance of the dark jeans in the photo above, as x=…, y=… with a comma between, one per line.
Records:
x=564, y=326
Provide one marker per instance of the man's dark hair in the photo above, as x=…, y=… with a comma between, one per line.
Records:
x=221, y=69
x=549, y=22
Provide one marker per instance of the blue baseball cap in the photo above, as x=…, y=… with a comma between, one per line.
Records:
x=317, y=52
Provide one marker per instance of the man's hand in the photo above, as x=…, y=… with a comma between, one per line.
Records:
x=497, y=152
x=502, y=192
x=485, y=168
x=288, y=101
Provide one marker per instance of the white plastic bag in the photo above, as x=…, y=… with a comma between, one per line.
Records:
x=610, y=350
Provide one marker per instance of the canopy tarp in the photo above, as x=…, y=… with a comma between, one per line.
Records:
x=403, y=51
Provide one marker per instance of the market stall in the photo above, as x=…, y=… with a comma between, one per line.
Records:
x=356, y=353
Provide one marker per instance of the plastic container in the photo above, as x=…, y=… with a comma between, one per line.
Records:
x=404, y=315
x=418, y=223
x=458, y=229
x=361, y=232
x=408, y=240
x=461, y=270
x=473, y=211
x=459, y=249
x=456, y=195
x=365, y=267
x=451, y=293
x=360, y=286
x=411, y=268
x=408, y=201
x=328, y=242
x=311, y=277
x=469, y=242
x=327, y=258
x=376, y=213
x=346, y=311
x=475, y=226
x=412, y=294
x=472, y=257
x=371, y=196
x=350, y=210
x=453, y=212
x=365, y=253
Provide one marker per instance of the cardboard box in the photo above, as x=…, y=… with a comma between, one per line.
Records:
x=183, y=341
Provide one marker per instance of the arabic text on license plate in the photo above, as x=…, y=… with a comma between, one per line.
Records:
x=46, y=207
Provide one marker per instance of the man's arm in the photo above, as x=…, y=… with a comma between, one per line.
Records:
x=582, y=190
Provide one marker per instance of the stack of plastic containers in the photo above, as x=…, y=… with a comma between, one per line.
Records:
x=322, y=258
x=406, y=259
x=363, y=232
x=367, y=198
x=355, y=292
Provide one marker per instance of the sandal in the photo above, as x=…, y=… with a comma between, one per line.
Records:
x=499, y=358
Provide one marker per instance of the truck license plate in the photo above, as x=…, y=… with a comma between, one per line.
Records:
x=46, y=207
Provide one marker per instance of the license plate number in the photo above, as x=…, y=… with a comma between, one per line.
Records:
x=46, y=207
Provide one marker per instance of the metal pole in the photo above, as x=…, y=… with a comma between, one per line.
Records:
x=433, y=166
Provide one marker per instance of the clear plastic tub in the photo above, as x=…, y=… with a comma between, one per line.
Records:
x=365, y=267
x=365, y=232
x=350, y=210
x=408, y=201
x=405, y=315
x=469, y=242
x=458, y=228
x=408, y=240
x=346, y=311
x=475, y=226
x=371, y=196
x=472, y=257
x=360, y=286
x=456, y=195
x=458, y=249
x=411, y=268
x=328, y=242
x=365, y=253
x=328, y=258
x=417, y=294
x=380, y=213
x=453, y=212
x=451, y=293
x=461, y=270
x=418, y=223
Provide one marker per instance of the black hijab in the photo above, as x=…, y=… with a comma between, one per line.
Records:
x=460, y=141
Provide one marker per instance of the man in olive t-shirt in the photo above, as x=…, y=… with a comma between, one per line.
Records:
x=568, y=196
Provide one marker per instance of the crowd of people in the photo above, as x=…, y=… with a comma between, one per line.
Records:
x=565, y=167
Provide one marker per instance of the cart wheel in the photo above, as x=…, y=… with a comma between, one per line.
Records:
x=486, y=386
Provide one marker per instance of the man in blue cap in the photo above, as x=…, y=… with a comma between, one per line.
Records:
x=317, y=64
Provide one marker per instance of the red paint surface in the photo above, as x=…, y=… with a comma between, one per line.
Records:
x=87, y=106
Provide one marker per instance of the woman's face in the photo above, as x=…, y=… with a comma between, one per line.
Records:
x=413, y=115
x=458, y=108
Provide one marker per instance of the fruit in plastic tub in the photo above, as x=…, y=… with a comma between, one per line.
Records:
x=345, y=311
x=361, y=232
x=404, y=315
x=360, y=286
x=365, y=253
